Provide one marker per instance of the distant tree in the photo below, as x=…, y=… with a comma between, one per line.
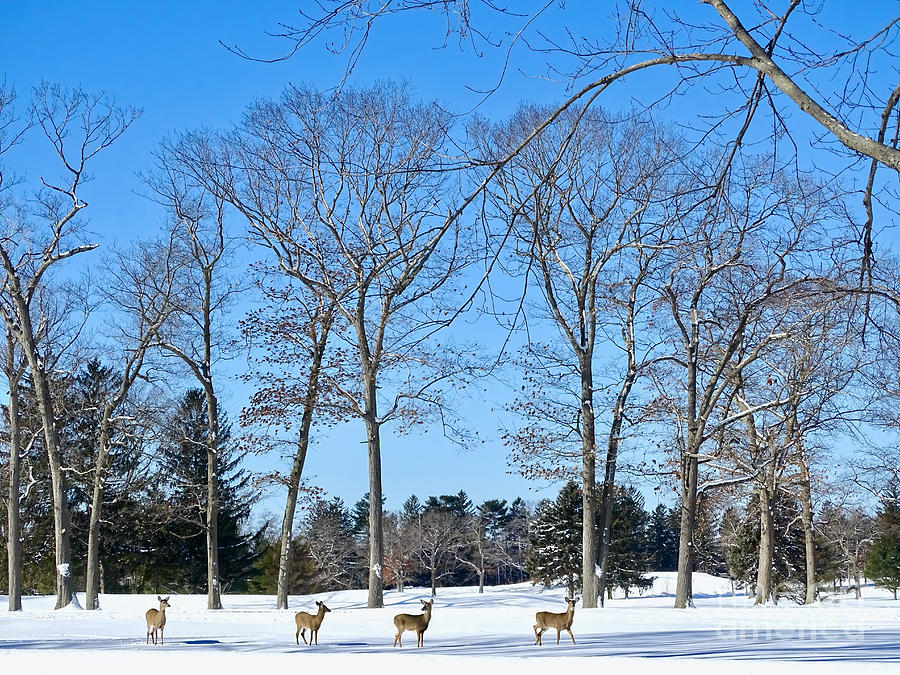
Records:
x=301, y=574
x=400, y=545
x=883, y=561
x=662, y=540
x=789, y=552
x=290, y=329
x=184, y=470
x=555, y=537
x=628, y=550
x=440, y=536
x=328, y=532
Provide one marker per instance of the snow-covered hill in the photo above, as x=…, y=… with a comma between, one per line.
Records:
x=723, y=633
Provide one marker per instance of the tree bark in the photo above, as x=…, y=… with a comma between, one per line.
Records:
x=214, y=592
x=766, y=545
x=590, y=586
x=684, y=593
x=92, y=573
x=376, y=534
x=287, y=522
x=14, y=538
x=809, y=534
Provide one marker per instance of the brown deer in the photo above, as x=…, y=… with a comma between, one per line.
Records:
x=156, y=620
x=305, y=620
x=560, y=622
x=416, y=622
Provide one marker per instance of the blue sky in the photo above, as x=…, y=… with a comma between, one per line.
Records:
x=165, y=58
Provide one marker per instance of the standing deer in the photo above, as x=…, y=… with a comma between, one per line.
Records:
x=416, y=622
x=305, y=620
x=560, y=622
x=156, y=620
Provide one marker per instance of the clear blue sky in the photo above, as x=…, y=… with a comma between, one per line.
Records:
x=165, y=58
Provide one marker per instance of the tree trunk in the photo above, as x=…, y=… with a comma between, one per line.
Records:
x=14, y=540
x=376, y=535
x=607, y=500
x=92, y=572
x=589, y=580
x=214, y=592
x=684, y=594
x=61, y=536
x=433, y=563
x=290, y=507
x=481, y=581
x=766, y=546
x=287, y=522
x=809, y=534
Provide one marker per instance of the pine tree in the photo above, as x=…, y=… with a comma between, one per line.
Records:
x=628, y=551
x=662, y=540
x=555, y=538
x=883, y=561
x=182, y=546
x=328, y=533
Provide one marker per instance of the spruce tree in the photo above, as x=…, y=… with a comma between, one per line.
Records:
x=662, y=541
x=183, y=464
x=555, y=538
x=883, y=561
x=628, y=551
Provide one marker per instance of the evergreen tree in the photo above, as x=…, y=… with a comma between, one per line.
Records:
x=628, y=550
x=181, y=548
x=662, y=540
x=555, y=538
x=412, y=509
x=883, y=561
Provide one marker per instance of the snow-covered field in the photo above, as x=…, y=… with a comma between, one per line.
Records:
x=722, y=634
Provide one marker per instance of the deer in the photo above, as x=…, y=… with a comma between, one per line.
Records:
x=561, y=622
x=156, y=620
x=306, y=620
x=416, y=622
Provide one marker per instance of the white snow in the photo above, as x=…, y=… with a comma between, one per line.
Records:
x=63, y=569
x=643, y=634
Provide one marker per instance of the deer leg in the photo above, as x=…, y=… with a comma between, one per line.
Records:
x=303, y=635
x=312, y=633
x=570, y=635
x=297, y=636
x=558, y=631
x=161, y=639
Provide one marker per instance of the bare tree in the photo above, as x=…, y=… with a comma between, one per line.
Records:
x=293, y=327
x=740, y=253
x=440, y=537
x=577, y=198
x=140, y=286
x=193, y=332
x=78, y=126
x=347, y=192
